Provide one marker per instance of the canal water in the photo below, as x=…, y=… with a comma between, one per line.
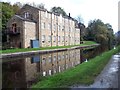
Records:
x=22, y=72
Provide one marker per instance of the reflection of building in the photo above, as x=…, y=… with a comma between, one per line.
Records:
x=59, y=62
x=49, y=29
x=23, y=72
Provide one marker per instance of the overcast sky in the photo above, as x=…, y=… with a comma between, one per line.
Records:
x=106, y=10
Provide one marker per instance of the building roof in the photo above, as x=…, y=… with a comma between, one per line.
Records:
x=45, y=10
x=24, y=19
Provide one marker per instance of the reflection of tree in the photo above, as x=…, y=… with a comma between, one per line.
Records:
x=118, y=38
x=13, y=75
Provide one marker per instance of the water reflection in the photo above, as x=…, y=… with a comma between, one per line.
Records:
x=24, y=71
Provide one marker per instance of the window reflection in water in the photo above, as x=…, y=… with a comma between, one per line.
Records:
x=44, y=73
x=50, y=72
x=59, y=69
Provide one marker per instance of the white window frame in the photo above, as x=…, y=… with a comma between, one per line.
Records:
x=63, y=38
x=58, y=38
x=52, y=16
x=54, y=58
x=50, y=59
x=27, y=14
x=59, y=58
x=49, y=38
x=43, y=38
x=59, y=27
x=54, y=38
x=46, y=14
x=43, y=25
x=44, y=60
x=54, y=27
x=49, y=26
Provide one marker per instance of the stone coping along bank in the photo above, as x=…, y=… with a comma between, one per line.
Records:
x=27, y=53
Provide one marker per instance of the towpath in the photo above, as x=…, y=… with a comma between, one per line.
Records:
x=108, y=78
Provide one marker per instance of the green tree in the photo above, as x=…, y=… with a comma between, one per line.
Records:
x=7, y=13
x=111, y=36
x=16, y=7
x=41, y=5
x=100, y=32
x=58, y=10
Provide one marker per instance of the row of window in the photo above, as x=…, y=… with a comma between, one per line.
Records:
x=48, y=16
x=55, y=27
x=57, y=18
x=60, y=38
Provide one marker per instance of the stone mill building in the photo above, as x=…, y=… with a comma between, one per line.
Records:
x=35, y=27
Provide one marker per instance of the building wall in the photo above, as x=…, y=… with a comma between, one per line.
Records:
x=29, y=33
x=15, y=40
x=45, y=28
x=60, y=29
x=33, y=16
x=31, y=70
x=77, y=36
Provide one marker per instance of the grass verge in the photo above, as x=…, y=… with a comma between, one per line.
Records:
x=45, y=48
x=84, y=73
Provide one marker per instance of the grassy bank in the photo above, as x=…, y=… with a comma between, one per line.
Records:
x=84, y=73
x=45, y=48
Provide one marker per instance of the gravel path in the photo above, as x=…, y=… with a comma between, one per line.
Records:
x=108, y=78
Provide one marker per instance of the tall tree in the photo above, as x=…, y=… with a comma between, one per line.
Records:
x=16, y=7
x=80, y=19
x=8, y=11
x=58, y=10
x=41, y=5
x=100, y=32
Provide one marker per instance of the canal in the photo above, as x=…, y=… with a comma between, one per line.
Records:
x=22, y=72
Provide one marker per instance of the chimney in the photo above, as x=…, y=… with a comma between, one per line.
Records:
x=69, y=14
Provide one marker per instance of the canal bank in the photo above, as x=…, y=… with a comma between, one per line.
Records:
x=27, y=53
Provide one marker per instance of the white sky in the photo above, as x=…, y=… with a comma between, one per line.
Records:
x=106, y=10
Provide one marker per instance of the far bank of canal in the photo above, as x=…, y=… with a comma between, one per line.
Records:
x=27, y=53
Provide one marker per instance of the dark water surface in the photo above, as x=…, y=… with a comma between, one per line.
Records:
x=22, y=72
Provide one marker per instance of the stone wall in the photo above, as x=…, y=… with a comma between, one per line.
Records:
x=15, y=40
x=29, y=33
